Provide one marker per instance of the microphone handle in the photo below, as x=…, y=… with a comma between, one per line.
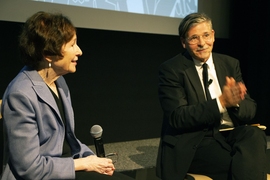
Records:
x=99, y=147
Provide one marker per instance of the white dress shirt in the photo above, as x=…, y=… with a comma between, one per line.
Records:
x=214, y=88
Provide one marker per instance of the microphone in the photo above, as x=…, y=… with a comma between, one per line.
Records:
x=96, y=132
x=210, y=82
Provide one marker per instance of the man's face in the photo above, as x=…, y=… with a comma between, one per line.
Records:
x=199, y=41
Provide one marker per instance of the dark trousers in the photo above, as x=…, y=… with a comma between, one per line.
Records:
x=83, y=175
x=239, y=154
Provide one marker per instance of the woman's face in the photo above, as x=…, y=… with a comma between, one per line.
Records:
x=67, y=64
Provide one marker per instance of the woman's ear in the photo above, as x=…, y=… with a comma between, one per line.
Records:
x=48, y=58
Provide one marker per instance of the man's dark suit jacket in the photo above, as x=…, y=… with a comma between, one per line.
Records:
x=187, y=115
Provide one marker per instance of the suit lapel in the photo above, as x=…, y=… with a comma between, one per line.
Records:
x=195, y=82
x=193, y=77
x=64, y=94
x=220, y=71
x=42, y=90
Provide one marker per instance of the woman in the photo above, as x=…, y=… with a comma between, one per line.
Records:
x=37, y=112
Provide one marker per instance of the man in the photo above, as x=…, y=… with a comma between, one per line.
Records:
x=197, y=107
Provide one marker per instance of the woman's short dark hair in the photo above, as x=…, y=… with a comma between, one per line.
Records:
x=190, y=21
x=44, y=34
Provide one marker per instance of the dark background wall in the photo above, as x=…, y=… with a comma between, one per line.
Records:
x=115, y=85
x=250, y=37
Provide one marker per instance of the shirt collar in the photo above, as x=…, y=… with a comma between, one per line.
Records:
x=209, y=62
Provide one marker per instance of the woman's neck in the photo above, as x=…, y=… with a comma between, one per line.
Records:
x=49, y=77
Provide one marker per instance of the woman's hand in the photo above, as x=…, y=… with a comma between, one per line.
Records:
x=94, y=163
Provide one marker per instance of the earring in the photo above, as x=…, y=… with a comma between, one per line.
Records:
x=47, y=74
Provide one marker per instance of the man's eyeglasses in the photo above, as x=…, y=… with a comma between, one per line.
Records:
x=195, y=39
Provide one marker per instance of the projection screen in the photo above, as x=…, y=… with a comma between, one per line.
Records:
x=146, y=16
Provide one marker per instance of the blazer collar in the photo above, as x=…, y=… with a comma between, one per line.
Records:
x=42, y=90
x=220, y=70
x=193, y=76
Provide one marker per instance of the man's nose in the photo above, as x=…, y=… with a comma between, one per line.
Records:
x=201, y=41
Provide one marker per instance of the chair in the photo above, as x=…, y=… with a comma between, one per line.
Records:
x=190, y=176
x=262, y=127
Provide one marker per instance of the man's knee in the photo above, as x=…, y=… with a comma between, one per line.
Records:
x=250, y=134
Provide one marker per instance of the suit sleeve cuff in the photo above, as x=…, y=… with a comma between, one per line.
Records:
x=221, y=109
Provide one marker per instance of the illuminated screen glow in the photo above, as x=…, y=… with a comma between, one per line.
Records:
x=143, y=16
x=167, y=8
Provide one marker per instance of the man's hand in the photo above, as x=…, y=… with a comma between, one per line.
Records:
x=233, y=93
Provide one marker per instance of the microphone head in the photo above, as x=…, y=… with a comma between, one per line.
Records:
x=96, y=131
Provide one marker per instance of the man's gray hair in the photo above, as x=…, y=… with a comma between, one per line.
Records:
x=191, y=20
